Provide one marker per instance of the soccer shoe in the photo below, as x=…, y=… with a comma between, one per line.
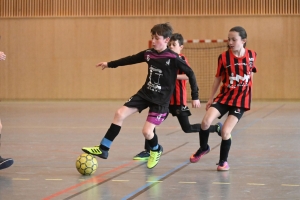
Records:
x=144, y=155
x=154, y=157
x=5, y=162
x=223, y=166
x=196, y=156
x=96, y=151
x=219, y=128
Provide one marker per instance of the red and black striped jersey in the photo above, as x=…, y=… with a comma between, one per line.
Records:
x=179, y=97
x=236, y=75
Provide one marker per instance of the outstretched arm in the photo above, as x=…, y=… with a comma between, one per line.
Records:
x=103, y=65
x=129, y=60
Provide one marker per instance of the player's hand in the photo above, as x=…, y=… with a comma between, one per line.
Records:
x=196, y=103
x=103, y=65
x=208, y=104
x=2, y=55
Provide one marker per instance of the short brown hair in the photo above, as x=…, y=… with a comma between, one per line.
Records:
x=178, y=37
x=164, y=30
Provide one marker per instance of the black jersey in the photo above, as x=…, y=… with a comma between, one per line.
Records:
x=162, y=74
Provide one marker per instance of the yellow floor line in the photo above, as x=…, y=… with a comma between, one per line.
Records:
x=221, y=183
x=21, y=179
x=255, y=184
x=290, y=185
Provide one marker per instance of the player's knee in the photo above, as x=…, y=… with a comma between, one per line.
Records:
x=226, y=134
x=119, y=115
x=148, y=134
x=205, y=124
x=187, y=129
x=0, y=126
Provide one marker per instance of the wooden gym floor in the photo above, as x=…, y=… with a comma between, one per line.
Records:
x=45, y=138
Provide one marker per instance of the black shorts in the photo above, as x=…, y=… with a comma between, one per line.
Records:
x=232, y=110
x=179, y=110
x=141, y=104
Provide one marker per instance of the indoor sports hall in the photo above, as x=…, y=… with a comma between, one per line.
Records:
x=54, y=100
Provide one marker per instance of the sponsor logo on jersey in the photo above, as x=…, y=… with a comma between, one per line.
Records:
x=168, y=62
x=238, y=80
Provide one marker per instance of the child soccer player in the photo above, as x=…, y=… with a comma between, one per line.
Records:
x=178, y=103
x=235, y=69
x=4, y=162
x=155, y=93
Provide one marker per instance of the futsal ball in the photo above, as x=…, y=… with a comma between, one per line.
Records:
x=86, y=164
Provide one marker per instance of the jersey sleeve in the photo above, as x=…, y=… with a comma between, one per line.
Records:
x=129, y=60
x=254, y=68
x=182, y=65
x=220, y=67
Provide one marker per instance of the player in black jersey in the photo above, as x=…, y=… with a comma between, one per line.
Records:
x=178, y=103
x=156, y=92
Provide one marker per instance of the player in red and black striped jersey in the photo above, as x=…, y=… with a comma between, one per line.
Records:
x=235, y=73
x=178, y=103
x=235, y=70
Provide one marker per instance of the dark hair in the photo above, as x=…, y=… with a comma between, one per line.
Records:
x=178, y=37
x=242, y=32
x=164, y=30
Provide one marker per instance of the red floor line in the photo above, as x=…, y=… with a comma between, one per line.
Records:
x=96, y=179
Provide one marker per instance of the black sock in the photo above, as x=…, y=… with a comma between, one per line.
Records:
x=109, y=137
x=203, y=135
x=224, y=149
x=153, y=142
x=147, y=146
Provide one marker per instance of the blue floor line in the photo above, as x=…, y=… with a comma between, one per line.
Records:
x=185, y=163
x=157, y=179
x=179, y=166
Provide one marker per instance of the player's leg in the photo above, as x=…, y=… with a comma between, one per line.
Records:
x=195, y=128
x=229, y=124
x=186, y=126
x=156, y=115
x=4, y=162
x=183, y=112
x=144, y=155
x=152, y=139
x=102, y=150
x=210, y=115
